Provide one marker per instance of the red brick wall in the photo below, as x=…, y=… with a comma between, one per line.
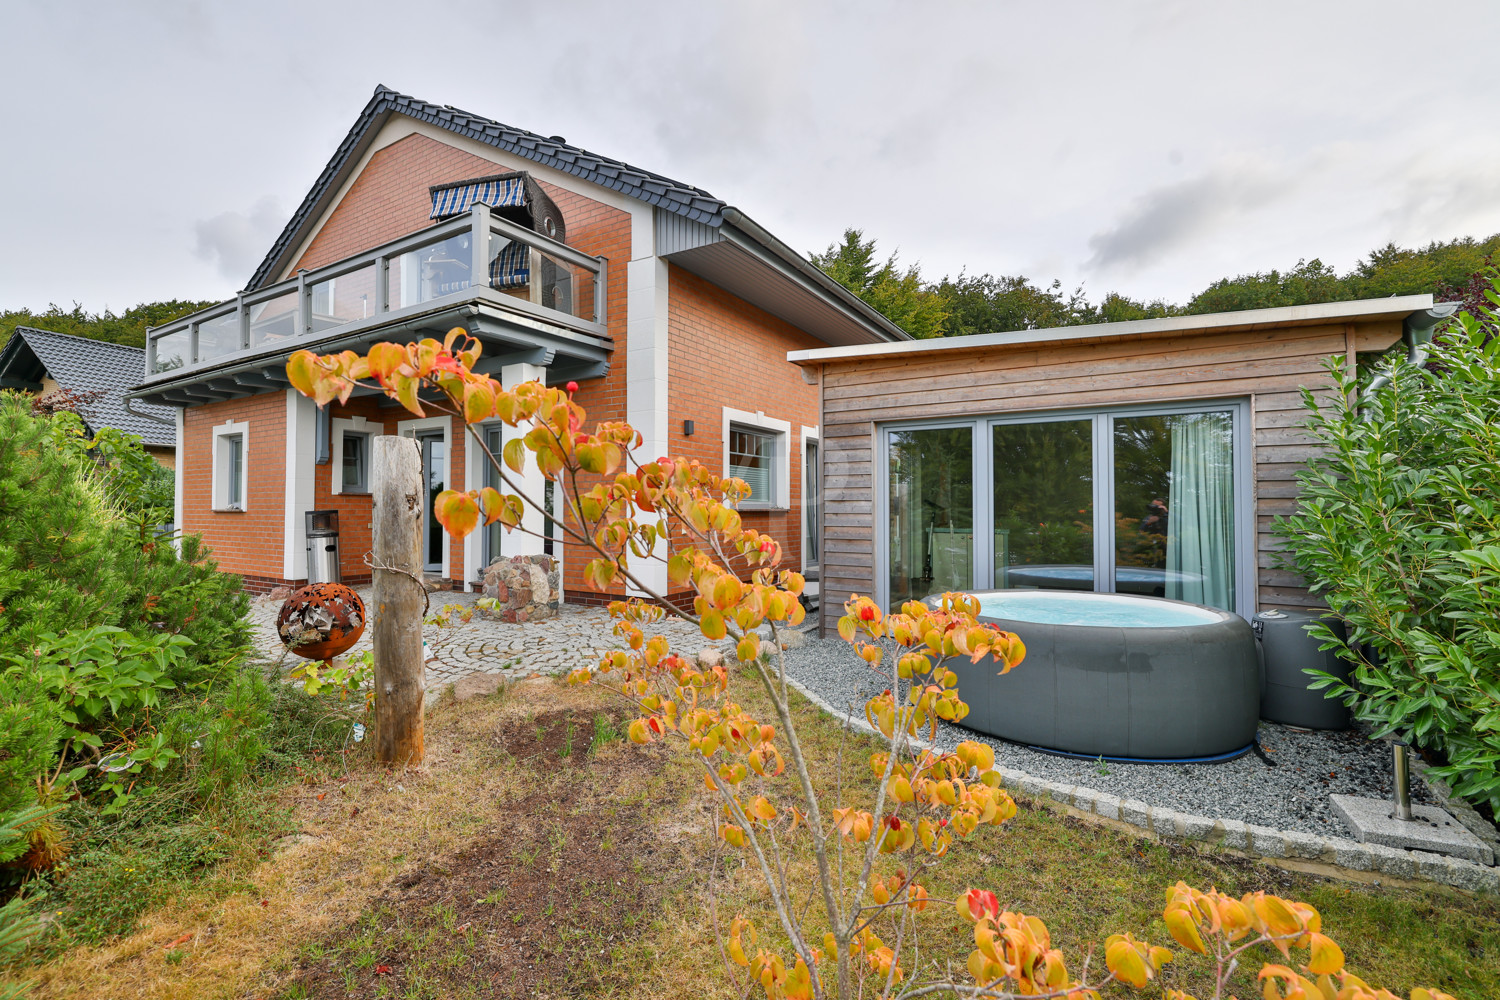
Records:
x=724, y=351
x=247, y=542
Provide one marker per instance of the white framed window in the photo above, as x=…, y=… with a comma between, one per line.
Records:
x=231, y=453
x=350, y=440
x=757, y=449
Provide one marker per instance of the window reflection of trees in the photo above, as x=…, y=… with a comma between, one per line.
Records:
x=1044, y=491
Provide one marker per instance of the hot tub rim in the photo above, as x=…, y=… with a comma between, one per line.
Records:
x=935, y=600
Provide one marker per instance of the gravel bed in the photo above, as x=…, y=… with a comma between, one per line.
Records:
x=1293, y=795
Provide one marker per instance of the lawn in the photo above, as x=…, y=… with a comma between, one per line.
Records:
x=536, y=853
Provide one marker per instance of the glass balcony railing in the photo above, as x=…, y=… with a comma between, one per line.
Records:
x=474, y=257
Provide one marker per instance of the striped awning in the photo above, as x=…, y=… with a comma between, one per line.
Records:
x=455, y=200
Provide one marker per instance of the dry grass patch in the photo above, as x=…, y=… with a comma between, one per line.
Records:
x=537, y=854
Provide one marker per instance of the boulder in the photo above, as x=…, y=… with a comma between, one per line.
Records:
x=526, y=587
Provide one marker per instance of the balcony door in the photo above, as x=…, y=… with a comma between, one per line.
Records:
x=434, y=480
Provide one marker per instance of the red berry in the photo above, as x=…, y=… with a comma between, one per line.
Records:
x=867, y=613
x=571, y=387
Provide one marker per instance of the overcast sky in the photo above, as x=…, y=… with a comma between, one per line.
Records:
x=154, y=150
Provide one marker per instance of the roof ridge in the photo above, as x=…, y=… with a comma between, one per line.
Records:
x=74, y=336
x=654, y=189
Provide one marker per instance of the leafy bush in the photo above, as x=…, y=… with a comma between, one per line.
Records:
x=73, y=554
x=30, y=732
x=1398, y=529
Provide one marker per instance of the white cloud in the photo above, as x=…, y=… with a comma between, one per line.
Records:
x=236, y=242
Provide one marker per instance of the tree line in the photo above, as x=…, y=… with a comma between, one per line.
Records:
x=987, y=303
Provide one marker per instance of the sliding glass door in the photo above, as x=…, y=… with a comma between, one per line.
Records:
x=1174, y=507
x=1043, y=476
x=1151, y=501
x=930, y=472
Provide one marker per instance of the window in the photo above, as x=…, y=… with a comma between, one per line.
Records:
x=812, y=501
x=230, y=465
x=349, y=448
x=356, y=460
x=757, y=450
x=235, y=496
x=752, y=457
x=1145, y=500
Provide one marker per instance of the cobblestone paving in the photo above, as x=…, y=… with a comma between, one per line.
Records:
x=484, y=645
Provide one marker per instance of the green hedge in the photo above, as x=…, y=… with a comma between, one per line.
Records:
x=1398, y=529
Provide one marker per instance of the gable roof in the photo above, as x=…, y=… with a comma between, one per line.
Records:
x=800, y=293
x=652, y=188
x=85, y=365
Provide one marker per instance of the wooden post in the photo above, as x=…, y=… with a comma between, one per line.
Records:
x=399, y=599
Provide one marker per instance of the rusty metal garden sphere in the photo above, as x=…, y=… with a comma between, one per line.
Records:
x=321, y=620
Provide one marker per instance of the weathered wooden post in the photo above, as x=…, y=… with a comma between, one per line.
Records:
x=399, y=599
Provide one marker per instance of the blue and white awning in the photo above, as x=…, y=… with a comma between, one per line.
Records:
x=507, y=193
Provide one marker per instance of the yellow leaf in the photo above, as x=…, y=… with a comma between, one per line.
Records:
x=457, y=512
x=748, y=649
x=1126, y=963
x=1183, y=930
x=1326, y=958
x=712, y=625
x=406, y=393
x=385, y=358
x=302, y=371
x=479, y=402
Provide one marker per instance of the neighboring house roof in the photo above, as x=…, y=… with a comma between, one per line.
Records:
x=84, y=365
x=714, y=218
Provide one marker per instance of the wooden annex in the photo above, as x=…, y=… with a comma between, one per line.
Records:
x=1262, y=357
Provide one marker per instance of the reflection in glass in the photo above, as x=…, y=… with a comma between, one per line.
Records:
x=432, y=271
x=219, y=336
x=1044, y=504
x=812, y=495
x=1174, y=507
x=172, y=351
x=273, y=320
x=932, y=512
x=341, y=300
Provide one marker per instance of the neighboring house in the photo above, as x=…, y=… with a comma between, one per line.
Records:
x=1146, y=457
x=670, y=308
x=41, y=362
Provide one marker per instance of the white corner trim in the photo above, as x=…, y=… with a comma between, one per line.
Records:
x=409, y=429
x=301, y=482
x=180, y=419
x=340, y=426
x=220, y=480
x=783, y=430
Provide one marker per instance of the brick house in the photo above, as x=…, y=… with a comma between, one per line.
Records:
x=567, y=266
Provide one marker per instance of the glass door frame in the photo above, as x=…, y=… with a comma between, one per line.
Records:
x=1246, y=571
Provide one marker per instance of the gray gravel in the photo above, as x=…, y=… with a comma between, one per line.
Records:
x=1290, y=796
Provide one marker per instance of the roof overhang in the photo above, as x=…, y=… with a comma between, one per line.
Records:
x=1397, y=308
x=744, y=259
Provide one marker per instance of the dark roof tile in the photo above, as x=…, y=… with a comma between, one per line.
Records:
x=85, y=365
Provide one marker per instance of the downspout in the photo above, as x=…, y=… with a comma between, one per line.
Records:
x=127, y=400
x=1416, y=330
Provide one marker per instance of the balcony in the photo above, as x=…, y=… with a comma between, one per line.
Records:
x=525, y=296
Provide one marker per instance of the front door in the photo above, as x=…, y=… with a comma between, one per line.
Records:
x=435, y=476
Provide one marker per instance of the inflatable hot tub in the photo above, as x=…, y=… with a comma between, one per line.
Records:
x=1117, y=676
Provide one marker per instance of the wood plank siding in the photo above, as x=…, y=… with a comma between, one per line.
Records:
x=1269, y=367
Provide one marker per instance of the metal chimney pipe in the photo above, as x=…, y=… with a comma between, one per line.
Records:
x=1403, y=781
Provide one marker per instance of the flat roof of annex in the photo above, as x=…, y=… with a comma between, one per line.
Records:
x=1394, y=308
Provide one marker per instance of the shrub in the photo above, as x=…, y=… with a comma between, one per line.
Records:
x=30, y=732
x=71, y=557
x=1398, y=529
